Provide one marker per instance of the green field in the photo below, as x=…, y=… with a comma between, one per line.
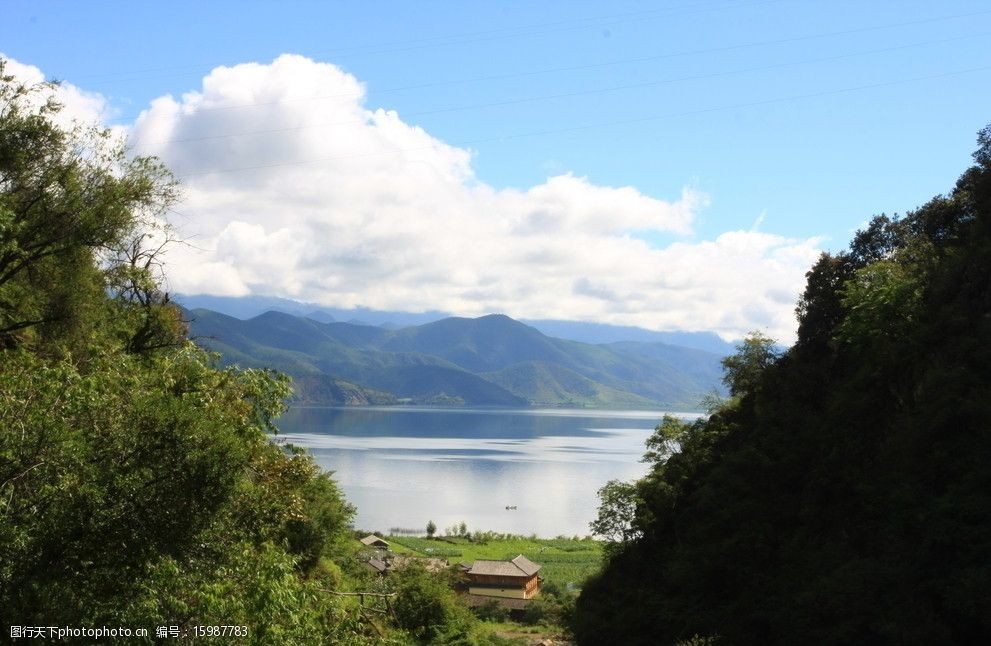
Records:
x=566, y=562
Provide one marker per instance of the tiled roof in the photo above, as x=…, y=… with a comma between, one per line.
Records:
x=372, y=539
x=520, y=566
x=377, y=564
x=525, y=564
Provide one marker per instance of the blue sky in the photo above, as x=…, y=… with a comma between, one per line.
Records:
x=794, y=119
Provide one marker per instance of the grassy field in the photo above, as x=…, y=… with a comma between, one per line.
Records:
x=566, y=562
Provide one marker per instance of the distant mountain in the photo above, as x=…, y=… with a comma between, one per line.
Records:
x=546, y=382
x=492, y=360
x=245, y=307
x=603, y=333
x=479, y=345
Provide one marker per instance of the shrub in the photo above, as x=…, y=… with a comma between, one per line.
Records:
x=492, y=611
x=426, y=606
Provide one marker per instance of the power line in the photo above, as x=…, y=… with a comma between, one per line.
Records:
x=572, y=68
x=615, y=88
x=595, y=26
x=644, y=59
x=602, y=124
x=459, y=39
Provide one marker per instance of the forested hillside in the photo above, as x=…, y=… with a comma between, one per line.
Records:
x=245, y=307
x=843, y=494
x=491, y=360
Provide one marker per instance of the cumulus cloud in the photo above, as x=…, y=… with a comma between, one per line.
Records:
x=294, y=187
x=78, y=106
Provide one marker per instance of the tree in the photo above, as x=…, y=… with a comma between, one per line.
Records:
x=617, y=512
x=431, y=529
x=65, y=198
x=882, y=301
x=819, y=308
x=426, y=606
x=664, y=440
x=743, y=370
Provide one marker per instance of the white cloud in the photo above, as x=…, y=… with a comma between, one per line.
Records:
x=78, y=106
x=293, y=187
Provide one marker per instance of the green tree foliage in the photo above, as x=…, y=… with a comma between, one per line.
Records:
x=65, y=198
x=743, y=370
x=844, y=495
x=139, y=484
x=431, y=528
x=664, y=440
x=426, y=606
x=617, y=512
x=622, y=515
x=492, y=611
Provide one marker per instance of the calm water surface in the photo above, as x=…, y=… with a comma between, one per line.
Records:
x=405, y=466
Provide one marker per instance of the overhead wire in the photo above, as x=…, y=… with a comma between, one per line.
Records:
x=602, y=124
x=449, y=40
x=616, y=88
x=644, y=59
x=467, y=38
x=573, y=68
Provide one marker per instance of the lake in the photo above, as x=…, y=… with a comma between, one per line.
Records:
x=403, y=466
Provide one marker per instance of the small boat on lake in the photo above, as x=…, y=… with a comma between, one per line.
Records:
x=511, y=507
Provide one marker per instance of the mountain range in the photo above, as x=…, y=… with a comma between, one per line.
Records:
x=245, y=307
x=487, y=361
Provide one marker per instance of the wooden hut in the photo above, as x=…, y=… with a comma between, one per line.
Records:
x=374, y=541
x=515, y=579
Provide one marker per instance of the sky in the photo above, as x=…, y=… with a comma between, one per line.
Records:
x=674, y=165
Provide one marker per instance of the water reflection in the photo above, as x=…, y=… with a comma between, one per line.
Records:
x=405, y=466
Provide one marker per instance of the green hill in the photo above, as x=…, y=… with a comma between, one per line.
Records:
x=492, y=360
x=484, y=344
x=547, y=384
x=843, y=494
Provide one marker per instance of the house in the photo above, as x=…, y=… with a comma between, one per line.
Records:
x=378, y=566
x=374, y=541
x=515, y=579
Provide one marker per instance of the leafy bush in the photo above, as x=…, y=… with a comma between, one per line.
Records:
x=426, y=606
x=543, y=610
x=492, y=611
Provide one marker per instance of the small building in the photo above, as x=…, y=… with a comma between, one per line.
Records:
x=515, y=579
x=378, y=566
x=374, y=541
